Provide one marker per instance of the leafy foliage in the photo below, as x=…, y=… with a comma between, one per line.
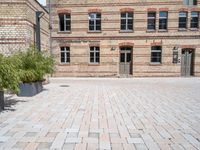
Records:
x=9, y=77
x=24, y=67
x=34, y=65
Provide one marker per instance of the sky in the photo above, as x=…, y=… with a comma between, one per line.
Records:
x=43, y=2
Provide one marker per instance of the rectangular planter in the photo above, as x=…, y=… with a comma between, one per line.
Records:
x=2, y=100
x=30, y=89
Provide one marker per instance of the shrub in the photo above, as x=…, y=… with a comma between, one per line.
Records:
x=33, y=65
x=9, y=76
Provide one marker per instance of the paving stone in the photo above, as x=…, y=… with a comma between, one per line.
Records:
x=135, y=113
x=44, y=145
x=73, y=140
x=135, y=141
x=68, y=146
x=20, y=145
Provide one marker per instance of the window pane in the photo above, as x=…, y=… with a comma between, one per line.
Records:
x=152, y=14
x=130, y=27
x=194, y=14
x=98, y=27
x=156, y=48
x=98, y=15
x=92, y=59
x=122, y=57
x=156, y=54
x=62, y=57
x=123, y=15
x=163, y=14
x=61, y=22
x=156, y=57
x=92, y=15
x=182, y=22
x=182, y=14
x=151, y=24
x=128, y=57
x=163, y=24
x=130, y=15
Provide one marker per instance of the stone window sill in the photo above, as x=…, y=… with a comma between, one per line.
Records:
x=182, y=29
x=162, y=30
x=149, y=31
x=126, y=31
x=64, y=64
x=94, y=64
x=94, y=31
x=155, y=64
x=64, y=32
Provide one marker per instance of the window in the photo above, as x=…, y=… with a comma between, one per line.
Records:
x=127, y=21
x=163, y=20
x=65, y=22
x=182, y=20
x=95, y=22
x=156, y=54
x=151, y=25
x=94, y=54
x=65, y=55
x=194, y=20
x=190, y=2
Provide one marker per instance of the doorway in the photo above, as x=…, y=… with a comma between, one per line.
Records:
x=187, y=62
x=125, y=65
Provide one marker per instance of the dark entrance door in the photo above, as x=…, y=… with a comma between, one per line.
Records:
x=125, y=61
x=187, y=62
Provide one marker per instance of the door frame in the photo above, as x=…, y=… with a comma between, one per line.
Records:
x=131, y=63
x=192, y=60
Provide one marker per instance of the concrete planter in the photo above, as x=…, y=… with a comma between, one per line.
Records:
x=2, y=104
x=30, y=89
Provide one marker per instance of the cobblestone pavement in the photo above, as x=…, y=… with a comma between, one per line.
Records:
x=117, y=114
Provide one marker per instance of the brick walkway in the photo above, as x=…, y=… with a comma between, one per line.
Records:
x=141, y=113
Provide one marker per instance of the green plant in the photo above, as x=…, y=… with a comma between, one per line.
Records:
x=9, y=76
x=33, y=65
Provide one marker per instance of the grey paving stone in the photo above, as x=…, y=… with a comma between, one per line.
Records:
x=98, y=113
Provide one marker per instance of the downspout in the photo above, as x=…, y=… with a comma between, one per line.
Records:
x=50, y=28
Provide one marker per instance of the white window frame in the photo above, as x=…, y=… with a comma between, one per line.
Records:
x=151, y=18
x=94, y=51
x=65, y=51
x=95, y=20
x=186, y=16
x=127, y=18
x=65, y=19
x=157, y=51
x=197, y=16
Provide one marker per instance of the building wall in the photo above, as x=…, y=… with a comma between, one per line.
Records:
x=17, y=25
x=111, y=38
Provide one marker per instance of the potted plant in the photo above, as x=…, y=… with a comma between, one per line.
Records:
x=34, y=66
x=9, y=78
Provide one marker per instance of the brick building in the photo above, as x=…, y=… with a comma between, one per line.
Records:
x=19, y=26
x=129, y=37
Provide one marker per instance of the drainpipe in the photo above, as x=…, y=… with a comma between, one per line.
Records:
x=39, y=15
x=50, y=27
